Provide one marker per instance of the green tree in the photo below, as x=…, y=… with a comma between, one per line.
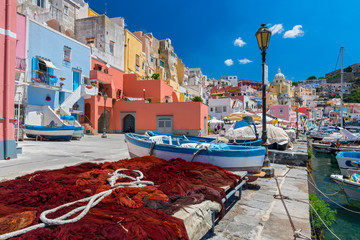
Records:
x=155, y=76
x=324, y=211
x=321, y=78
x=295, y=84
x=197, y=99
x=311, y=77
x=348, y=69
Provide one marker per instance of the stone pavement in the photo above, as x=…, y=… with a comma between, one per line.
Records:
x=44, y=155
x=258, y=215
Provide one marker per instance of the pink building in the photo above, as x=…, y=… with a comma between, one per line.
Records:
x=7, y=73
x=284, y=112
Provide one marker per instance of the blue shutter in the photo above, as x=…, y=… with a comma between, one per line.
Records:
x=34, y=67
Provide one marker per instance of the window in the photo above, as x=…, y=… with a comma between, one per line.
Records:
x=66, y=10
x=112, y=47
x=161, y=63
x=281, y=111
x=137, y=63
x=42, y=67
x=218, y=110
x=143, y=65
x=224, y=108
x=211, y=109
x=272, y=111
x=90, y=41
x=152, y=60
x=67, y=54
x=40, y=3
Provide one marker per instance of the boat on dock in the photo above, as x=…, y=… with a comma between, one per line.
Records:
x=230, y=157
x=250, y=142
x=50, y=132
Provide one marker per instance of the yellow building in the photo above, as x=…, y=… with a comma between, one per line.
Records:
x=92, y=12
x=134, y=61
x=281, y=86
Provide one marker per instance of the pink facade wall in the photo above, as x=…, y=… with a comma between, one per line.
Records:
x=275, y=110
x=156, y=90
x=186, y=115
x=20, y=35
x=7, y=78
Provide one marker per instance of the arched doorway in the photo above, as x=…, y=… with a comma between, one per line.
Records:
x=129, y=123
x=101, y=122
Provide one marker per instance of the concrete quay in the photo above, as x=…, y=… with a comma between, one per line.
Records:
x=257, y=215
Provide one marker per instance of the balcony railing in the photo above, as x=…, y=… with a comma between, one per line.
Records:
x=44, y=78
x=20, y=64
x=100, y=76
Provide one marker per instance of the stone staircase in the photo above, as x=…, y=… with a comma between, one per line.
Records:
x=89, y=130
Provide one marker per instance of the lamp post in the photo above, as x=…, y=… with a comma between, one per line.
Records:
x=263, y=38
x=144, y=92
x=104, y=134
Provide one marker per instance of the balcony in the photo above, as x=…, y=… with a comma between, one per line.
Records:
x=45, y=80
x=88, y=90
x=20, y=64
x=100, y=76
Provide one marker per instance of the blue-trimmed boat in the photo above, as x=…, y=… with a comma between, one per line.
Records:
x=346, y=161
x=231, y=157
x=252, y=142
x=50, y=132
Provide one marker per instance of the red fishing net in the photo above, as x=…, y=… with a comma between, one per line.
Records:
x=128, y=213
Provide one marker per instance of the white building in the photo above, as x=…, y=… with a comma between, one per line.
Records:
x=221, y=107
x=232, y=79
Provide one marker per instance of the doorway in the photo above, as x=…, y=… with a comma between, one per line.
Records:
x=129, y=123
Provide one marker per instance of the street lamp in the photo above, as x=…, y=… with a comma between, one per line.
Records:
x=144, y=92
x=104, y=134
x=263, y=38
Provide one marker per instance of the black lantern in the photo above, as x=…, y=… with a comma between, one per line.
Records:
x=263, y=37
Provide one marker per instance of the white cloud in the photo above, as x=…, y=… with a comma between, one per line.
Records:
x=276, y=29
x=239, y=42
x=245, y=61
x=229, y=62
x=295, y=32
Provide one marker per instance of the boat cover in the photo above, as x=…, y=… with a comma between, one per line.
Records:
x=128, y=213
x=274, y=134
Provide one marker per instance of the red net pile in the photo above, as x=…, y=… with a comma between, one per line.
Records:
x=128, y=213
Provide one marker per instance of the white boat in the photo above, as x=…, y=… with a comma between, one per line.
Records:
x=345, y=159
x=231, y=157
x=351, y=189
x=50, y=132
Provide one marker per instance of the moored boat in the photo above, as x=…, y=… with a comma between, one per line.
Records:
x=351, y=188
x=230, y=157
x=345, y=159
x=63, y=132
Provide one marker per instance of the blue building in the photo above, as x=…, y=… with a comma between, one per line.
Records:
x=58, y=66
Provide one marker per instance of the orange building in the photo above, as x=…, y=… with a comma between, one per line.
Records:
x=126, y=109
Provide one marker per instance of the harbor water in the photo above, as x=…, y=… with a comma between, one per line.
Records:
x=347, y=224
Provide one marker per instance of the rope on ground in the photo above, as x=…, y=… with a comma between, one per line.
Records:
x=324, y=223
x=338, y=204
x=297, y=233
x=92, y=202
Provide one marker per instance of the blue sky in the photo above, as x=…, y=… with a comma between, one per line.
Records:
x=204, y=33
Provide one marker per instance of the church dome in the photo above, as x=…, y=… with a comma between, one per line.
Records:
x=279, y=76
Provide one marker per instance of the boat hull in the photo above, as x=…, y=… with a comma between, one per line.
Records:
x=78, y=132
x=64, y=134
x=344, y=160
x=252, y=164
x=351, y=189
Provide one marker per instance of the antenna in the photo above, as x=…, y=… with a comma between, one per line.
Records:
x=105, y=7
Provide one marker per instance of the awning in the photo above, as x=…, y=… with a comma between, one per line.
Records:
x=49, y=64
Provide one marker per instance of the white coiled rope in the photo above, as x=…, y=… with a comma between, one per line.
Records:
x=92, y=202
